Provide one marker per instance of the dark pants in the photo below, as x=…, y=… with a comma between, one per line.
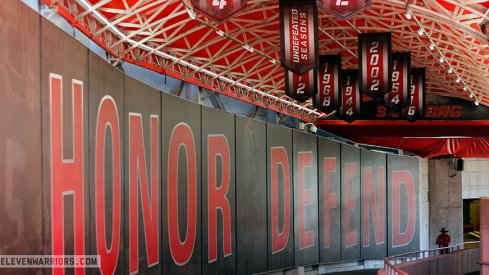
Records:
x=444, y=251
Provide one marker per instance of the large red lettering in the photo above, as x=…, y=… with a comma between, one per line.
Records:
x=66, y=174
x=218, y=146
x=306, y=238
x=182, y=251
x=329, y=167
x=278, y=157
x=350, y=203
x=107, y=118
x=138, y=174
x=373, y=205
x=403, y=178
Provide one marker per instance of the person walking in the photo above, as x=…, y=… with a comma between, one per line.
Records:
x=443, y=240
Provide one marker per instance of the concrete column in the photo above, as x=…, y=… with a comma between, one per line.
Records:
x=445, y=200
x=484, y=230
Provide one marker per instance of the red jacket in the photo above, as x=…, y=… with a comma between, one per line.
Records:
x=443, y=240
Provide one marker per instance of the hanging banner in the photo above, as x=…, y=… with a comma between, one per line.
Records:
x=399, y=96
x=219, y=10
x=298, y=35
x=344, y=9
x=416, y=108
x=375, y=58
x=328, y=96
x=301, y=87
x=350, y=96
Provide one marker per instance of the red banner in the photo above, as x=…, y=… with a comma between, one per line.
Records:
x=416, y=108
x=298, y=35
x=300, y=87
x=399, y=96
x=375, y=63
x=344, y=9
x=328, y=96
x=219, y=10
x=350, y=96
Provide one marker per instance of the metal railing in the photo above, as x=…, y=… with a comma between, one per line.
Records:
x=390, y=263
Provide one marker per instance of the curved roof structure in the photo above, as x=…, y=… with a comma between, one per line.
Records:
x=240, y=57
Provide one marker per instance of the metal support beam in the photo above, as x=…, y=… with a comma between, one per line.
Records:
x=216, y=101
x=253, y=112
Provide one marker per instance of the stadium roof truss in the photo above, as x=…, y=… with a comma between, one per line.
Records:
x=240, y=57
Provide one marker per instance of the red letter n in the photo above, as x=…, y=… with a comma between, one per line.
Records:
x=373, y=205
x=138, y=176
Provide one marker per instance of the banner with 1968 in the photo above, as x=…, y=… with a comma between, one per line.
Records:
x=328, y=96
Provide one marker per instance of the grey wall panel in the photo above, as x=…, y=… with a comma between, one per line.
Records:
x=66, y=179
x=218, y=192
x=280, y=198
x=403, y=206
x=142, y=178
x=329, y=168
x=350, y=201
x=305, y=199
x=20, y=135
x=107, y=158
x=251, y=196
x=374, y=211
x=181, y=176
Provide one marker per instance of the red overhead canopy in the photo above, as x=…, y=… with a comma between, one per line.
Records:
x=436, y=147
x=467, y=139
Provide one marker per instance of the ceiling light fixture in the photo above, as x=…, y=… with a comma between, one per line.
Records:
x=248, y=48
x=442, y=59
x=476, y=103
x=191, y=13
x=220, y=33
x=420, y=32
x=458, y=80
x=450, y=70
x=408, y=15
x=432, y=46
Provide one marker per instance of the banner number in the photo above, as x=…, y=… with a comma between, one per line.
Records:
x=220, y=3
